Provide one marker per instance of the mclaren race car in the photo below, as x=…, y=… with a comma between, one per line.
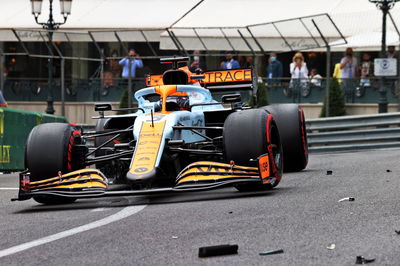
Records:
x=178, y=139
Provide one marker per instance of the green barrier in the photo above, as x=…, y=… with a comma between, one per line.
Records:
x=15, y=126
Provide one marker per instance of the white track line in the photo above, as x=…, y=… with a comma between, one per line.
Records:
x=9, y=188
x=98, y=210
x=126, y=212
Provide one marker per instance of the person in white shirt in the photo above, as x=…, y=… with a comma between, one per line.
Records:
x=348, y=65
x=299, y=74
x=315, y=78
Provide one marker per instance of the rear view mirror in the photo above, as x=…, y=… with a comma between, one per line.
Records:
x=231, y=98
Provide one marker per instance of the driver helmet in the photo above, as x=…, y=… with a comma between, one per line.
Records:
x=180, y=101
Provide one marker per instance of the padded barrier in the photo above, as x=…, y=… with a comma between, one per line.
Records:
x=15, y=126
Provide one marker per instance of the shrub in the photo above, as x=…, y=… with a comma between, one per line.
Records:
x=336, y=100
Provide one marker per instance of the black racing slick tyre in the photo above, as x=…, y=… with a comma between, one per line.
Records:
x=249, y=134
x=50, y=149
x=292, y=129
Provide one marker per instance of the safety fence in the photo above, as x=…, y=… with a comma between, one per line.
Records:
x=351, y=133
x=15, y=126
x=282, y=90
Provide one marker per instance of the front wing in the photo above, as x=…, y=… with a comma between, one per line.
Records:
x=91, y=183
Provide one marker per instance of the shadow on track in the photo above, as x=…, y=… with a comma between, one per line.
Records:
x=155, y=199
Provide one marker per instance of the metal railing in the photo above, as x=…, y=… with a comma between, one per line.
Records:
x=280, y=90
x=351, y=133
x=76, y=90
x=283, y=90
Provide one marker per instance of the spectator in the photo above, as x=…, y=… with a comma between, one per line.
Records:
x=242, y=61
x=136, y=62
x=197, y=64
x=348, y=66
x=299, y=75
x=3, y=102
x=391, y=53
x=337, y=73
x=246, y=61
x=366, y=68
x=113, y=64
x=393, y=82
x=274, y=67
x=249, y=62
x=230, y=63
x=315, y=78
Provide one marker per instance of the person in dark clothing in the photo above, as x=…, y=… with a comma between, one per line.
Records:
x=274, y=70
x=197, y=63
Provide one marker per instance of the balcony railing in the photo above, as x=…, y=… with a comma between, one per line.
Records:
x=355, y=90
x=282, y=90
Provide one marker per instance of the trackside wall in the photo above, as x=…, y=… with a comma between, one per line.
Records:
x=15, y=126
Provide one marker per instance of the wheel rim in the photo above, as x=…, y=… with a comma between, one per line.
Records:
x=274, y=150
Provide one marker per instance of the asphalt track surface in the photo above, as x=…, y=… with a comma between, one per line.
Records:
x=302, y=216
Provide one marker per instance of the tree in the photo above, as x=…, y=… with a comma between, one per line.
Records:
x=123, y=103
x=336, y=100
x=262, y=96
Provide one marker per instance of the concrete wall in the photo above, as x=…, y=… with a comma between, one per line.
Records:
x=83, y=111
x=75, y=112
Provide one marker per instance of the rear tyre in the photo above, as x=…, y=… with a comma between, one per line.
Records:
x=292, y=129
x=249, y=134
x=50, y=149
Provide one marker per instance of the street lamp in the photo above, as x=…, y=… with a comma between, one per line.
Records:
x=51, y=25
x=384, y=6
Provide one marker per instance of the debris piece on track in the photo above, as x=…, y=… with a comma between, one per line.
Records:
x=397, y=232
x=174, y=237
x=347, y=199
x=218, y=250
x=331, y=247
x=329, y=172
x=271, y=252
x=362, y=260
x=388, y=171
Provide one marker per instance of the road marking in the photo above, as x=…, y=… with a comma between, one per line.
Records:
x=124, y=213
x=98, y=210
x=9, y=188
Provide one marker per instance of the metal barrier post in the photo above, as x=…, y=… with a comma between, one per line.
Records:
x=1, y=70
x=328, y=78
x=62, y=86
x=130, y=83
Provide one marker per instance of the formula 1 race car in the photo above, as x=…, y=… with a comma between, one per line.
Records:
x=178, y=139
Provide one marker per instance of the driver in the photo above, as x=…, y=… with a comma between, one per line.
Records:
x=177, y=103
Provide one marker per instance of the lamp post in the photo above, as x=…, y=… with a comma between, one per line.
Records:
x=384, y=6
x=51, y=25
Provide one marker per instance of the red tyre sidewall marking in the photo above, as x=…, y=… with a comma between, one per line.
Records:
x=269, y=149
x=303, y=135
x=74, y=134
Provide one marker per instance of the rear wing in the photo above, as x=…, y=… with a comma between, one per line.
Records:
x=236, y=79
x=217, y=80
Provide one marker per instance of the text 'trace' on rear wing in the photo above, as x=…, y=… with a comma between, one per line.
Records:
x=217, y=80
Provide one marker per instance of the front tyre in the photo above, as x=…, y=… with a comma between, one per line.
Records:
x=249, y=134
x=51, y=148
x=292, y=129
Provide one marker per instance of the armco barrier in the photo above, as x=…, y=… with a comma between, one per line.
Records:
x=15, y=126
x=348, y=133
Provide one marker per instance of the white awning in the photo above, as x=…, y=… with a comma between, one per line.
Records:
x=368, y=41
x=127, y=17
x=98, y=14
